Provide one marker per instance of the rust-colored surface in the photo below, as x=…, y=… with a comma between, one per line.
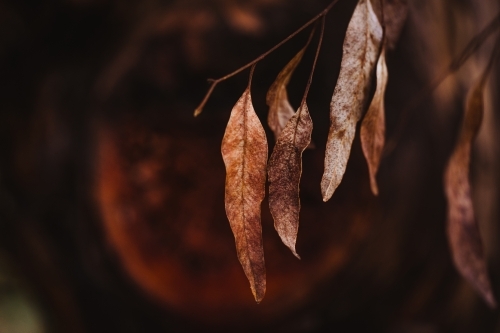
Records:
x=162, y=200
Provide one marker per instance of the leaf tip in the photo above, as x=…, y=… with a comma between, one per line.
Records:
x=292, y=248
x=374, y=187
x=490, y=300
x=326, y=192
x=258, y=295
x=296, y=254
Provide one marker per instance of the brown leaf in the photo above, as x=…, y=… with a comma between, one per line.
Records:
x=463, y=231
x=395, y=13
x=373, y=126
x=280, y=110
x=285, y=169
x=244, y=150
x=360, y=51
x=394, y=18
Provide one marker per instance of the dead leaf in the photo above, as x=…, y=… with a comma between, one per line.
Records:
x=360, y=51
x=285, y=170
x=463, y=230
x=394, y=18
x=395, y=14
x=373, y=126
x=244, y=150
x=280, y=110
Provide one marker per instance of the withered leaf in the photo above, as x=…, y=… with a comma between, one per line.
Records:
x=372, y=131
x=463, y=232
x=360, y=51
x=394, y=17
x=395, y=13
x=285, y=170
x=244, y=150
x=280, y=110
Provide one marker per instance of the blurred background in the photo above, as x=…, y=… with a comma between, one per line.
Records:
x=112, y=195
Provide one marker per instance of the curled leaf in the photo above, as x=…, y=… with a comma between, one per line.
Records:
x=285, y=170
x=360, y=51
x=372, y=131
x=244, y=150
x=463, y=232
x=280, y=110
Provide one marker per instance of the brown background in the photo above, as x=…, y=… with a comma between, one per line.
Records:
x=111, y=194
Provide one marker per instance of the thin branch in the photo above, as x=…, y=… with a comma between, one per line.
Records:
x=311, y=35
x=475, y=43
x=205, y=99
x=250, y=77
x=453, y=66
x=320, y=42
x=200, y=107
x=493, y=58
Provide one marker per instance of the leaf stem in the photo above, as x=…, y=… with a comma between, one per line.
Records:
x=250, y=77
x=323, y=13
x=309, y=82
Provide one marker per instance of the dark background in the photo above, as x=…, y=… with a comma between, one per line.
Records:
x=111, y=193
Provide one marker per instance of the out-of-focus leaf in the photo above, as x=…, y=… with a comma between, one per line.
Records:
x=244, y=150
x=395, y=14
x=285, y=170
x=360, y=51
x=280, y=110
x=372, y=131
x=463, y=232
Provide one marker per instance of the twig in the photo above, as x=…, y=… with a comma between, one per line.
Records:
x=200, y=107
x=309, y=81
x=250, y=77
x=320, y=42
x=493, y=58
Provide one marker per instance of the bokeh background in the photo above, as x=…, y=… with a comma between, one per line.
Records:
x=111, y=193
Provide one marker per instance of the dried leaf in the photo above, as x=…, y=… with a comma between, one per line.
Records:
x=285, y=169
x=244, y=150
x=360, y=51
x=280, y=110
x=373, y=126
x=463, y=231
x=394, y=18
x=395, y=14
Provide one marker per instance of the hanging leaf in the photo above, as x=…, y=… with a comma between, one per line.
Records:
x=244, y=150
x=372, y=131
x=280, y=110
x=463, y=232
x=360, y=51
x=285, y=170
x=395, y=14
x=394, y=17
